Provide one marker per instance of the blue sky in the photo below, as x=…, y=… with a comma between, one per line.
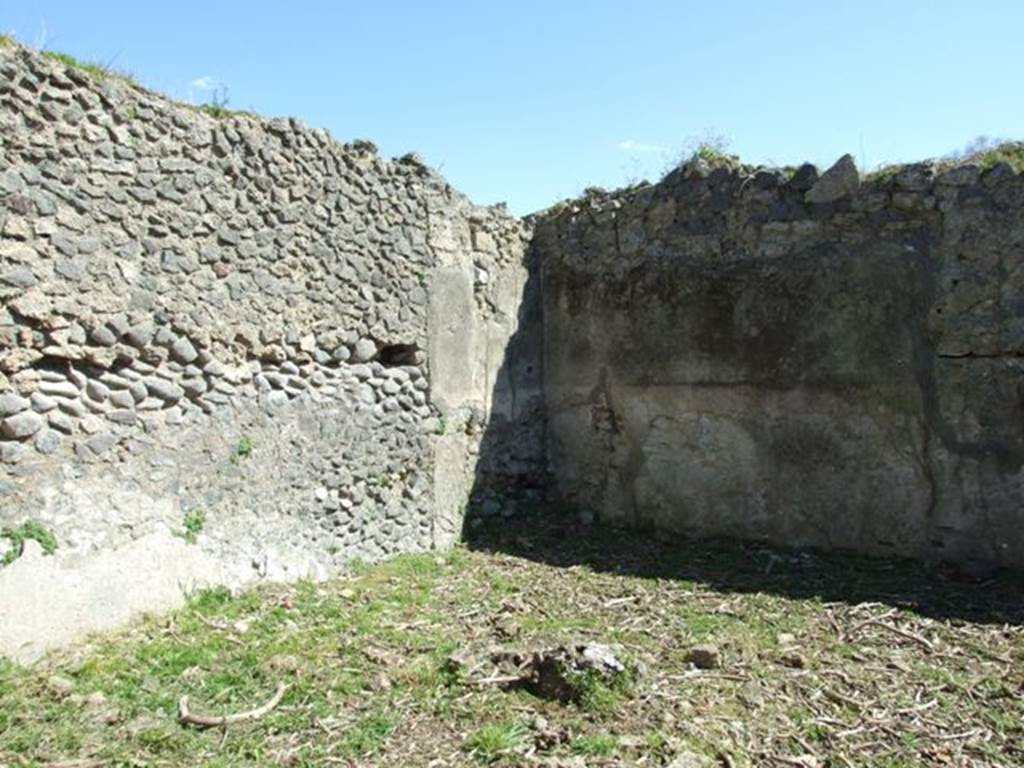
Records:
x=530, y=102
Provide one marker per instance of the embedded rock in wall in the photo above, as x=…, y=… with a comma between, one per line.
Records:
x=801, y=360
x=229, y=321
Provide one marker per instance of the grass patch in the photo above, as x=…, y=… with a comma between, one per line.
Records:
x=496, y=741
x=243, y=450
x=192, y=525
x=714, y=155
x=597, y=745
x=30, y=530
x=6, y=41
x=368, y=661
x=1011, y=153
x=93, y=69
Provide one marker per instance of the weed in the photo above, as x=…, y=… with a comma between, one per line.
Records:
x=597, y=745
x=217, y=106
x=192, y=523
x=243, y=450
x=1011, y=153
x=441, y=427
x=714, y=156
x=382, y=480
x=883, y=173
x=30, y=529
x=496, y=741
x=601, y=696
x=6, y=41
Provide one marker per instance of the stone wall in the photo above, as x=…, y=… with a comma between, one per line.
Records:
x=809, y=361
x=233, y=320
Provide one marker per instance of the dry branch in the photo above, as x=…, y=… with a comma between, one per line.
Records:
x=213, y=721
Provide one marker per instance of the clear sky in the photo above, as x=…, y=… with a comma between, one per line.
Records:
x=529, y=102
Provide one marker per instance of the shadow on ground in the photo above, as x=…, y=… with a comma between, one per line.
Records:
x=556, y=537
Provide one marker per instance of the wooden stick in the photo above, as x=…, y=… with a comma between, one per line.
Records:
x=213, y=721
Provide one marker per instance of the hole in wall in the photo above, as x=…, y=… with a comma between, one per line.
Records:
x=398, y=354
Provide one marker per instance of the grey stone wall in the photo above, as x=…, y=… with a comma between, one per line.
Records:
x=177, y=288
x=809, y=361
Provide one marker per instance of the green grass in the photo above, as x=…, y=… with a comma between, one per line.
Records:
x=243, y=450
x=28, y=530
x=93, y=69
x=1011, y=153
x=368, y=663
x=714, y=155
x=596, y=745
x=216, y=111
x=192, y=525
x=6, y=41
x=496, y=741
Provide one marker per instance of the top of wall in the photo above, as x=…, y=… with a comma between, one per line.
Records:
x=246, y=235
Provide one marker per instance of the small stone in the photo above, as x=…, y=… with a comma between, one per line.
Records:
x=75, y=407
x=21, y=425
x=364, y=351
x=123, y=416
x=164, y=390
x=11, y=403
x=11, y=453
x=47, y=442
x=62, y=422
x=690, y=760
x=183, y=351
x=101, y=443
x=97, y=390
x=42, y=404
x=141, y=335
x=103, y=336
x=704, y=657
x=58, y=388
x=92, y=424
x=61, y=685
x=122, y=398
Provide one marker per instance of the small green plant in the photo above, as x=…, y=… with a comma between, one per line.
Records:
x=597, y=745
x=192, y=523
x=243, y=450
x=217, y=106
x=599, y=695
x=441, y=427
x=1011, y=153
x=6, y=41
x=30, y=529
x=496, y=741
x=714, y=155
x=883, y=173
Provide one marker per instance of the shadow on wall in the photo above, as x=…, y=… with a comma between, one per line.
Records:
x=515, y=509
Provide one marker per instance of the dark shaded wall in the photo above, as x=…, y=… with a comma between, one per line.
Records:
x=725, y=357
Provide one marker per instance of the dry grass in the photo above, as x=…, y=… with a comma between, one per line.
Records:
x=826, y=661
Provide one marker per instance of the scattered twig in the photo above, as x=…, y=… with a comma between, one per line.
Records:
x=213, y=721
